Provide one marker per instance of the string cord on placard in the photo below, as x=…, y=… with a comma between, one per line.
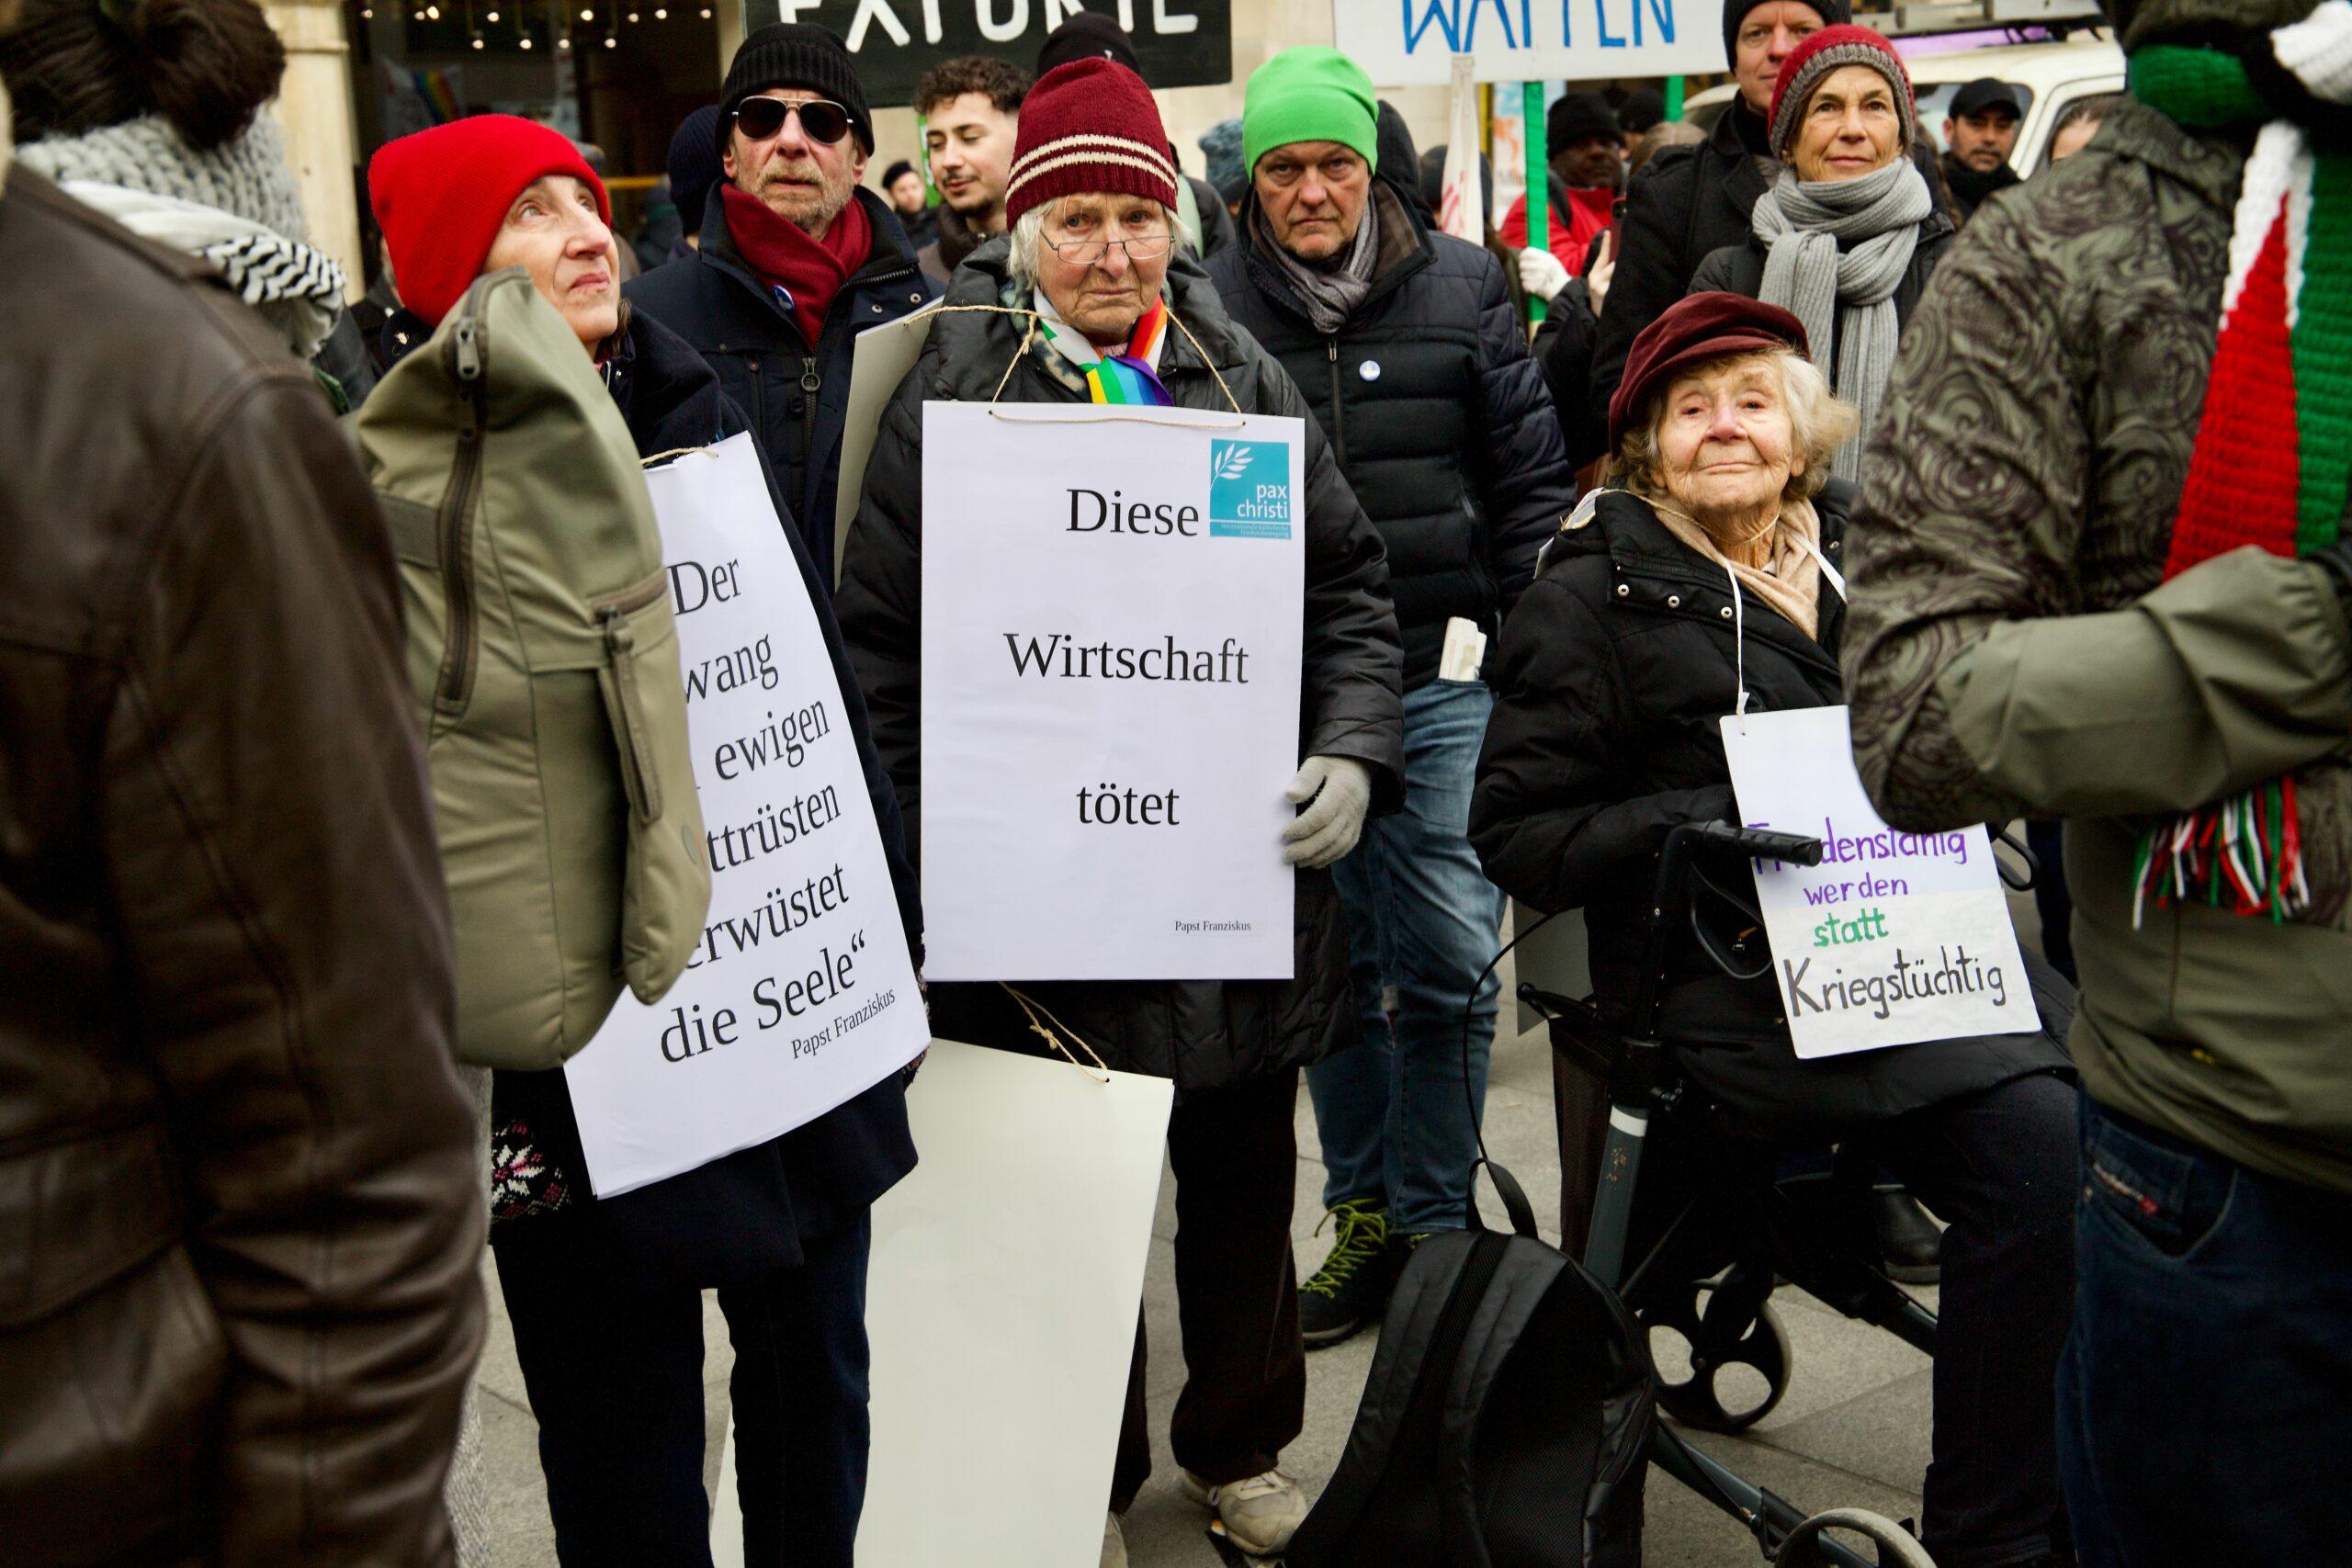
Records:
x=673, y=452
x=1099, y=1072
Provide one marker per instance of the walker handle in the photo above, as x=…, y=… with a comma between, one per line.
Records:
x=1762, y=843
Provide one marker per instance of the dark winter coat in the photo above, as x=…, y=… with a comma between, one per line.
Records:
x=1740, y=269
x=794, y=393
x=1437, y=413
x=1610, y=685
x=747, y=1215
x=1205, y=1034
x=1564, y=346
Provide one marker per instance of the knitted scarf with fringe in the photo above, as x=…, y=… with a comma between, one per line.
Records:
x=2273, y=458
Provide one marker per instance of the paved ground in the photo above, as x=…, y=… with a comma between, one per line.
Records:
x=1852, y=1429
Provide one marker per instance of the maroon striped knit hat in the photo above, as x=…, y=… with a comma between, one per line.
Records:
x=1824, y=52
x=1089, y=126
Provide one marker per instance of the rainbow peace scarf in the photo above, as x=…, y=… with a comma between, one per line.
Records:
x=1129, y=379
x=2272, y=462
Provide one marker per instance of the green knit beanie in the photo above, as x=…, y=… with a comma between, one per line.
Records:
x=1309, y=93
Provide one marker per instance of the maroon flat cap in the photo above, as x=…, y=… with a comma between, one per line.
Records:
x=1700, y=326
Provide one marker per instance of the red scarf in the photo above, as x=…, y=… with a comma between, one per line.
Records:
x=811, y=271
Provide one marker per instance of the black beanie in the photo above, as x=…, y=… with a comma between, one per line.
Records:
x=795, y=54
x=1832, y=13
x=694, y=166
x=1575, y=116
x=1643, y=108
x=1088, y=35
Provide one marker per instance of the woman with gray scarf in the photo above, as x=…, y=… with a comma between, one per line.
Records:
x=1849, y=232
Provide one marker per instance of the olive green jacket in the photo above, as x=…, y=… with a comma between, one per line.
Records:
x=2013, y=650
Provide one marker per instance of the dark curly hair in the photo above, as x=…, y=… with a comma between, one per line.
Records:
x=77, y=65
x=1004, y=82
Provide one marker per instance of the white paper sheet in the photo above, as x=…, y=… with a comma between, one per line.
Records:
x=1112, y=617
x=802, y=994
x=1008, y=1270
x=1894, y=938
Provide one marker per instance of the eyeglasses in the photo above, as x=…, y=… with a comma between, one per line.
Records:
x=1086, y=252
x=821, y=120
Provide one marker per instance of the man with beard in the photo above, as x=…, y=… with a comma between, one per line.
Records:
x=797, y=259
x=971, y=111
x=1981, y=134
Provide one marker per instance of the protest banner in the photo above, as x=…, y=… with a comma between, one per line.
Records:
x=1894, y=938
x=1182, y=43
x=802, y=993
x=879, y=359
x=1410, y=43
x=1111, y=652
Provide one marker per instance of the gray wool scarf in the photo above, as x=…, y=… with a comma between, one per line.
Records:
x=1331, y=292
x=1836, y=252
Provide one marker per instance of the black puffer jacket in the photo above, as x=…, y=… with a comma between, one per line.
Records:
x=1203, y=1033
x=1441, y=422
x=794, y=393
x=1610, y=686
x=1740, y=269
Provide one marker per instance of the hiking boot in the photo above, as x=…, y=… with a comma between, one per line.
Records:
x=1260, y=1515
x=1908, y=1241
x=1114, y=1543
x=1351, y=1286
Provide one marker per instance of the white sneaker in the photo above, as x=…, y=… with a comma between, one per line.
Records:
x=1261, y=1514
x=1114, y=1543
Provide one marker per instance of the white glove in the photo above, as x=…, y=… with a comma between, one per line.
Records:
x=1341, y=790
x=1541, y=273
x=1603, y=268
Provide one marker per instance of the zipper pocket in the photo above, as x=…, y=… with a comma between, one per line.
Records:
x=638, y=775
x=452, y=531
x=1338, y=416
x=810, y=387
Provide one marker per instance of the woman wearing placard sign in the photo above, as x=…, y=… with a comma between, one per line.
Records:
x=1087, y=300
x=604, y=1293
x=1704, y=582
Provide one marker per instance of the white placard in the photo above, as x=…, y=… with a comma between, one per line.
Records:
x=1110, y=650
x=801, y=994
x=1409, y=43
x=1894, y=938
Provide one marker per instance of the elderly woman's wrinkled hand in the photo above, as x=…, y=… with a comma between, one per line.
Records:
x=1337, y=792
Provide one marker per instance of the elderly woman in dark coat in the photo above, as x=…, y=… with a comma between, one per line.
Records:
x=1611, y=682
x=1093, y=254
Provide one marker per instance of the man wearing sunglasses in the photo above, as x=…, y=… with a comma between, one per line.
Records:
x=797, y=259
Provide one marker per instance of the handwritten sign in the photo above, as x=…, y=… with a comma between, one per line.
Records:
x=801, y=994
x=1409, y=43
x=1894, y=938
x=1112, y=608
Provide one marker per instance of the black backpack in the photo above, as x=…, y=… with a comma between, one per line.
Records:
x=1505, y=1420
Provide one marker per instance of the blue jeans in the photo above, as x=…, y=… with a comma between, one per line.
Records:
x=2205, y=1397
x=1423, y=919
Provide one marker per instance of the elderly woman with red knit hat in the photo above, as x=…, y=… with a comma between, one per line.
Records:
x=605, y=1294
x=1704, y=581
x=1089, y=298
x=1849, y=232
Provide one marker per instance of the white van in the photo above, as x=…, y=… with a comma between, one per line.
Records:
x=2048, y=78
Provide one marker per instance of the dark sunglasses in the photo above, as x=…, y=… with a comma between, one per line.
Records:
x=821, y=119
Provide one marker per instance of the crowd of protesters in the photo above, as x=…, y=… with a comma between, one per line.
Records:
x=2044, y=477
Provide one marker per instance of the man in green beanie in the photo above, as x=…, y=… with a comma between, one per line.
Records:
x=1412, y=359
x=2100, y=573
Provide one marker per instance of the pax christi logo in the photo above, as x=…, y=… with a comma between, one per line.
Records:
x=1249, y=490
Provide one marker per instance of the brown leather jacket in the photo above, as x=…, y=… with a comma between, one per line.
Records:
x=241, y=1208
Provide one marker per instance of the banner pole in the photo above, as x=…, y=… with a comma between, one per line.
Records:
x=1539, y=181
x=1674, y=98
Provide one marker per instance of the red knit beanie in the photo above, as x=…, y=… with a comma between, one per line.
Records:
x=441, y=194
x=1822, y=52
x=1089, y=126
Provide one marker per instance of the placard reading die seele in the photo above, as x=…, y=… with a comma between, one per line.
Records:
x=801, y=993
x=1894, y=938
x=1111, y=652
